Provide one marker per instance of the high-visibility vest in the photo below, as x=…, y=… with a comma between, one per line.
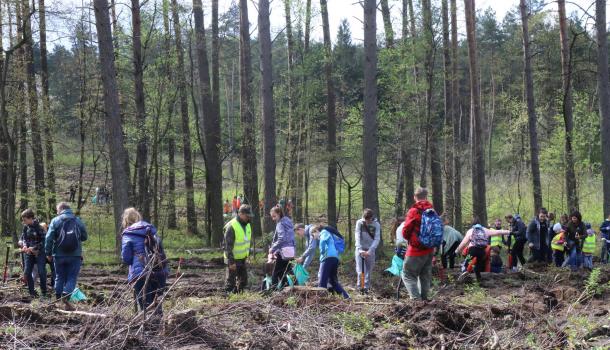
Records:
x=495, y=241
x=241, y=246
x=555, y=242
x=589, y=245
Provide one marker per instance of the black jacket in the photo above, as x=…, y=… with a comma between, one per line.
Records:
x=33, y=236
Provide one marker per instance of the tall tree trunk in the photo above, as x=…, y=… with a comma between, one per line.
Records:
x=433, y=123
x=268, y=116
x=191, y=215
x=455, y=88
x=307, y=25
x=48, y=120
x=211, y=128
x=215, y=63
x=114, y=128
x=172, y=219
x=449, y=201
x=248, y=151
x=331, y=120
x=36, y=135
x=566, y=72
x=143, y=201
x=479, y=206
x=531, y=109
x=405, y=20
x=370, y=133
x=387, y=23
x=604, y=97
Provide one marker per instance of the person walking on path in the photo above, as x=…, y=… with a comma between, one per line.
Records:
x=63, y=246
x=237, y=240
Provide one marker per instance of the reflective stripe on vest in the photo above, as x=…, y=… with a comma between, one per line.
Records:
x=241, y=246
x=589, y=245
x=496, y=241
x=555, y=243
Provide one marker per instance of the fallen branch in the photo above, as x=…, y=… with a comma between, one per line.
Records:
x=82, y=313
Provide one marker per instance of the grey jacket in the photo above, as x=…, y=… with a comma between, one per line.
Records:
x=363, y=238
x=283, y=236
x=312, y=245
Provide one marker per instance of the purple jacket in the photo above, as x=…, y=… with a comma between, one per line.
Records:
x=283, y=236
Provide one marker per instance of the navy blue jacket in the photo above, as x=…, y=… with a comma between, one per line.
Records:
x=132, y=249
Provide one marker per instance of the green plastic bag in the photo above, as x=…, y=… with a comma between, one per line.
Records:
x=77, y=295
x=301, y=274
x=396, y=267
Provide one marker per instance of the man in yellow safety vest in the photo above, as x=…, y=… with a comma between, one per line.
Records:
x=238, y=235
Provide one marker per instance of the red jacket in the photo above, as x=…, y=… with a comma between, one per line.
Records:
x=411, y=229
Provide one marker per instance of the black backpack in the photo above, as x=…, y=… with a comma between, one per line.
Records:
x=68, y=238
x=154, y=256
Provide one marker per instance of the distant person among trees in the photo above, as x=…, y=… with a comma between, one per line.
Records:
x=577, y=232
x=368, y=236
x=32, y=246
x=477, y=240
x=417, y=267
x=72, y=193
x=237, y=240
x=226, y=208
x=538, y=232
x=518, y=232
x=235, y=205
x=283, y=247
x=63, y=246
x=142, y=250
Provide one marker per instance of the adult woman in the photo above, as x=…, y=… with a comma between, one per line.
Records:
x=282, y=248
x=577, y=232
x=147, y=269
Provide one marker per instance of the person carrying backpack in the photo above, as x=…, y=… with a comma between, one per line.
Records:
x=142, y=250
x=477, y=240
x=331, y=245
x=32, y=246
x=604, y=228
x=368, y=235
x=417, y=267
x=63, y=246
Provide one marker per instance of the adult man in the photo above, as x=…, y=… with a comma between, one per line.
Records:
x=63, y=246
x=417, y=268
x=517, y=239
x=311, y=244
x=537, y=236
x=238, y=234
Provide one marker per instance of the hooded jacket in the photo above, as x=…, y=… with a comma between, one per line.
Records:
x=518, y=229
x=411, y=230
x=132, y=249
x=54, y=229
x=283, y=236
x=533, y=232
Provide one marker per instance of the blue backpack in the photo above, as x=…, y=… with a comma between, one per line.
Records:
x=337, y=238
x=68, y=237
x=431, y=230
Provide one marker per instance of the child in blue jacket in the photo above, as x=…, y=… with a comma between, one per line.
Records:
x=329, y=260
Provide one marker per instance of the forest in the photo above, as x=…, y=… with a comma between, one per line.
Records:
x=179, y=108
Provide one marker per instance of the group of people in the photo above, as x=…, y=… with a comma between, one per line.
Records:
x=61, y=246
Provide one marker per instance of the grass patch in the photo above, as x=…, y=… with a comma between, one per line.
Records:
x=355, y=324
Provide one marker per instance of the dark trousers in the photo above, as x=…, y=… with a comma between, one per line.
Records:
x=237, y=280
x=479, y=253
x=558, y=257
x=517, y=253
x=449, y=254
x=281, y=270
x=541, y=254
x=40, y=261
x=66, y=269
x=328, y=274
x=154, y=290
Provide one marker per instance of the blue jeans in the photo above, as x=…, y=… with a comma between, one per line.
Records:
x=40, y=261
x=328, y=273
x=588, y=261
x=574, y=259
x=66, y=270
x=154, y=288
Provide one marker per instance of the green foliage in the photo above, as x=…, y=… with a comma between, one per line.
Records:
x=355, y=324
x=593, y=286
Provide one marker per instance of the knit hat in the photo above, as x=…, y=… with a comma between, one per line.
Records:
x=557, y=228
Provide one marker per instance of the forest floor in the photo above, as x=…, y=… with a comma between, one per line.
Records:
x=542, y=308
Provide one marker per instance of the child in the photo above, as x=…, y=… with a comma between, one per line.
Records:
x=496, y=260
x=558, y=244
x=33, y=238
x=329, y=260
x=588, y=248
